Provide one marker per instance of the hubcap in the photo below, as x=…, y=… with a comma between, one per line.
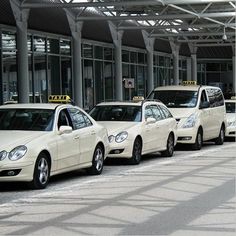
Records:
x=98, y=159
x=43, y=171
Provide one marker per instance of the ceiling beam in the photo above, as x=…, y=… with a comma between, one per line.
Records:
x=90, y=4
x=192, y=34
x=201, y=40
x=181, y=26
x=72, y=4
x=158, y=17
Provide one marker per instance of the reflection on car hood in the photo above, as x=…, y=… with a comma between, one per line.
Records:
x=180, y=113
x=11, y=139
x=113, y=127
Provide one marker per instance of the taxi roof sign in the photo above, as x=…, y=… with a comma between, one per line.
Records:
x=189, y=82
x=138, y=98
x=59, y=99
x=233, y=97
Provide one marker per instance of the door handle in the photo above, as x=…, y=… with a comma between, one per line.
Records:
x=76, y=137
x=93, y=132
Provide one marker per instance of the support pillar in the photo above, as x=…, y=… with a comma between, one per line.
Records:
x=21, y=17
x=149, y=42
x=193, y=50
x=76, y=28
x=175, y=52
x=234, y=74
x=189, y=68
x=117, y=40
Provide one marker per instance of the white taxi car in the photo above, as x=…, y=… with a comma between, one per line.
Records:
x=199, y=111
x=137, y=128
x=41, y=140
x=231, y=117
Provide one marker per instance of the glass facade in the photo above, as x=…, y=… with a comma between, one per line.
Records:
x=50, y=68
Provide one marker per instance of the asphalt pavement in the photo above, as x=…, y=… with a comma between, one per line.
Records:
x=192, y=193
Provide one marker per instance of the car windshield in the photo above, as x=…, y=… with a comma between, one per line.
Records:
x=230, y=107
x=26, y=119
x=116, y=113
x=176, y=98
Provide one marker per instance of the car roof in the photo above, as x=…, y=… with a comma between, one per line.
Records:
x=127, y=103
x=183, y=87
x=50, y=106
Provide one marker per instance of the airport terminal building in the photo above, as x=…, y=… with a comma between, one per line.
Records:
x=90, y=49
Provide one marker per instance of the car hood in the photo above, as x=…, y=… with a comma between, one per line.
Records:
x=113, y=128
x=11, y=139
x=180, y=113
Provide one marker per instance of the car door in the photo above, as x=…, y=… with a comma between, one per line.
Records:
x=205, y=117
x=161, y=128
x=86, y=134
x=68, y=143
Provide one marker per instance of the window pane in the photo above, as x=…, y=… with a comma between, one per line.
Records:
x=39, y=44
x=53, y=46
x=87, y=51
x=98, y=51
x=107, y=53
x=65, y=47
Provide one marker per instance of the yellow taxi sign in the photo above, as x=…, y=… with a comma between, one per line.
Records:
x=59, y=99
x=189, y=82
x=233, y=97
x=138, y=98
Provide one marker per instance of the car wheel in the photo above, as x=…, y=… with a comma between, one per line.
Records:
x=199, y=140
x=137, y=152
x=98, y=161
x=41, y=172
x=220, y=139
x=169, y=147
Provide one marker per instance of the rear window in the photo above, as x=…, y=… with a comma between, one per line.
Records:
x=176, y=98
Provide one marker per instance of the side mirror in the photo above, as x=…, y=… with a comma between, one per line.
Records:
x=151, y=120
x=64, y=129
x=205, y=104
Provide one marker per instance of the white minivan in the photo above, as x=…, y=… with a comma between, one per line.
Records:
x=199, y=111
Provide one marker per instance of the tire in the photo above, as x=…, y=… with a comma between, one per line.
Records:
x=41, y=172
x=137, y=152
x=220, y=139
x=98, y=161
x=198, y=141
x=169, y=147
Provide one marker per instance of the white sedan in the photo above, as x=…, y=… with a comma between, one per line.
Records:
x=135, y=129
x=41, y=140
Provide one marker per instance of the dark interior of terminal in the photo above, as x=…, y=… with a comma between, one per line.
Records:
x=88, y=49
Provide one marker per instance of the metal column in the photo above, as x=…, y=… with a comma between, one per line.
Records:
x=193, y=49
x=117, y=40
x=149, y=42
x=76, y=28
x=234, y=73
x=175, y=52
x=21, y=17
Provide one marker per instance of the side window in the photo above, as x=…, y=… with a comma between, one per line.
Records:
x=219, y=98
x=157, y=113
x=148, y=112
x=64, y=119
x=210, y=93
x=87, y=120
x=165, y=111
x=77, y=118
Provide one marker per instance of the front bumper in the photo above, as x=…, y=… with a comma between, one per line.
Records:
x=21, y=171
x=121, y=150
x=186, y=135
x=230, y=131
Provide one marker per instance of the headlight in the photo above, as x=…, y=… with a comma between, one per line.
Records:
x=111, y=138
x=231, y=123
x=121, y=136
x=190, y=122
x=17, y=153
x=3, y=155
